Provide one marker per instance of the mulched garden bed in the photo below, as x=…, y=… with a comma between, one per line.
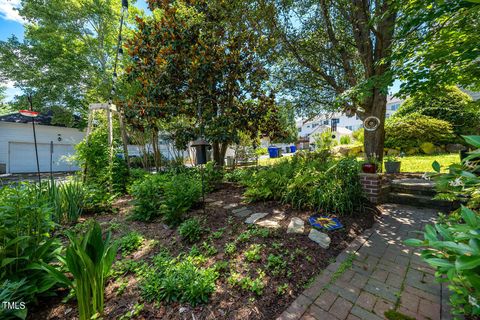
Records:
x=304, y=258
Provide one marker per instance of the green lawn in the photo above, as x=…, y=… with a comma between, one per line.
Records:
x=420, y=163
x=423, y=163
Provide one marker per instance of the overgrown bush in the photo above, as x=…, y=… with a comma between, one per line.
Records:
x=309, y=181
x=414, y=130
x=448, y=104
x=169, y=195
x=191, y=230
x=180, y=279
x=26, y=240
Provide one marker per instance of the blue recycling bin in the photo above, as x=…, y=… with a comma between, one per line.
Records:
x=293, y=149
x=273, y=152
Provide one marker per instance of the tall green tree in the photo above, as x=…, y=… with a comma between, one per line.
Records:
x=334, y=54
x=197, y=60
x=65, y=61
x=438, y=45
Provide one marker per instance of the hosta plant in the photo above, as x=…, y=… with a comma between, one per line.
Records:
x=89, y=259
x=453, y=249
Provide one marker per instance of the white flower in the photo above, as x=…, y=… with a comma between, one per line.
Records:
x=456, y=183
x=426, y=176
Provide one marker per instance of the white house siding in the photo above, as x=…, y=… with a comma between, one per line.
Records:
x=15, y=136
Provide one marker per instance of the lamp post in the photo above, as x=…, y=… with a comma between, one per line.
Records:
x=32, y=114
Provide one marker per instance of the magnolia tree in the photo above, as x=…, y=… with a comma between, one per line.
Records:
x=196, y=71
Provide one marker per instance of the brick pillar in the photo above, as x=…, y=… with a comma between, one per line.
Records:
x=372, y=186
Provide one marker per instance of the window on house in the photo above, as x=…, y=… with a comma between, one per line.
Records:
x=325, y=121
x=299, y=129
x=349, y=128
x=314, y=125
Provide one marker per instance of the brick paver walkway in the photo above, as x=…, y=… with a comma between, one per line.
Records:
x=384, y=274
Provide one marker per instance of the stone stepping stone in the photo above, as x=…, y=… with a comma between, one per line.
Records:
x=269, y=223
x=319, y=237
x=255, y=217
x=230, y=206
x=243, y=213
x=296, y=225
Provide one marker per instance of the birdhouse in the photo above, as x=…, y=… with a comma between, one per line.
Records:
x=200, y=146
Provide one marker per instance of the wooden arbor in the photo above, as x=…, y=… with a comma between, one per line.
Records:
x=110, y=109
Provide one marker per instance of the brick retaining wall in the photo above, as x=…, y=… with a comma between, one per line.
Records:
x=373, y=187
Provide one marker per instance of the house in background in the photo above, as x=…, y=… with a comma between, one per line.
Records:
x=17, y=149
x=345, y=125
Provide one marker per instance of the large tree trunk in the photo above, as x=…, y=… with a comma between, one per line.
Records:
x=374, y=140
x=219, y=151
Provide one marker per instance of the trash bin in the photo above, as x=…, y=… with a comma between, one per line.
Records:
x=273, y=152
x=293, y=149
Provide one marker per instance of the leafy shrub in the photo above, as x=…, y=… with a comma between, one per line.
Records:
x=452, y=245
x=239, y=174
x=25, y=241
x=413, y=130
x=324, y=141
x=148, y=196
x=93, y=157
x=130, y=242
x=309, y=182
x=449, y=104
x=345, y=140
x=180, y=193
x=178, y=279
x=339, y=190
x=190, y=230
x=213, y=176
x=96, y=199
x=452, y=248
x=269, y=183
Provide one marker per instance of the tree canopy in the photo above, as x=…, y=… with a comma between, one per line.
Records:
x=196, y=62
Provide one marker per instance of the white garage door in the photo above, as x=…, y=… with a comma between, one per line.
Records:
x=22, y=157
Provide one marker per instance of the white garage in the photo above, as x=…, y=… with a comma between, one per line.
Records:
x=22, y=157
x=17, y=149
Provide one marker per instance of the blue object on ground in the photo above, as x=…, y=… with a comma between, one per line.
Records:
x=293, y=149
x=273, y=152
x=324, y=222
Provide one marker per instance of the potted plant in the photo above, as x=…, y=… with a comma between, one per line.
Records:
x=392, y=164
x=370, y=165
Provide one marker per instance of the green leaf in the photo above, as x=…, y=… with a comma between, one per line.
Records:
x=470, y=217
x=473, y=140
x=436, y=166
x=437, y=262
x=467, y=262
x=414, y=242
